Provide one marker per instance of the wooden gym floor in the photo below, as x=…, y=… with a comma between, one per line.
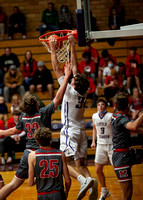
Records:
x=29, y=193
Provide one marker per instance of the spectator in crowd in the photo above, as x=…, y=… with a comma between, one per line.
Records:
x=7, y=59
x=29, y=67
x=50, y=185
x=94, y=55
x=87, y=64
x=133, y=71
x=13, y=81
x=111, y=85
x=114, y=20
x=65, y=18
x=120, y=10
x=135, y=103
x=2, y=23
x=11, y=141
x=16, y=23
x=42, y=80
x=107, y=70
x=49, y=19
x=1, y=82
x=2, y=161
x=15, y=103
x=3, y=110
x=104, y=63
x=133, y=55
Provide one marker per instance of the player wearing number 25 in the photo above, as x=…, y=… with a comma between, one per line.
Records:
x=31, y=119
x=48, y=165
x=102, y=131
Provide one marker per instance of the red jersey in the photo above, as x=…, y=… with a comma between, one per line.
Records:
x=83, y=64
x=26, y=69
x=2, y=126
x=118, y=80
x=92, y=86
x=94, y=52
x=104, y=63
x=137, y=104
x=130, y=57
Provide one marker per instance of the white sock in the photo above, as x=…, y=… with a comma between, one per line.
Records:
x=104, y=188
x=81, y=179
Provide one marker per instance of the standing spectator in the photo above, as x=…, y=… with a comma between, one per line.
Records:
x=1, y=82
x=122, y=157
x=28, y=69
x=2, y=23
x=49, y=19
x=42, y=80
x=87, y=64
x=7, y=59
x=114, y=20
x=16, y=23
x=3, y=110
x=50, y=186
x=65, y=18
x=104, y=63
x=111, y=85
x=102, y=131
x=135, y=103
x=13, y=81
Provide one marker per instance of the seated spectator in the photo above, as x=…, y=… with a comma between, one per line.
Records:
x=7, y=59
x=2, y=23
x=111, y=85
x=16, y=23
x=87, y=64
x=29, y=67
x=11, y=141
x=107, y=70
x=135, y=103
x=49, y=19
x=15, y=103
x=42, y=80
x=133, y=71
x=3, y=110
x=65, y=18
x=13, y=81
x=1, y=82
x=104, y=63
x=133, y=55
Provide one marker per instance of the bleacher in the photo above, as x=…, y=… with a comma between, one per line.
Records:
x=120, y=50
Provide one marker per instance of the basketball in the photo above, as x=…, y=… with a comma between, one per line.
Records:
x=59, y=44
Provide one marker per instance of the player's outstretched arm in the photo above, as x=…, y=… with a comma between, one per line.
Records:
x=73, y=54
x=9, y=132
x=55, y=63
x=60, y=93
x=66, y=175
x=31, y=163
x=135, y=126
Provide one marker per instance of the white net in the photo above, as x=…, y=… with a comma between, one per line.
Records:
x=62, y=49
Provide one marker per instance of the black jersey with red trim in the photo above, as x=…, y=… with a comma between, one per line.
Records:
x=29, y=123
x=49, y=170
x=121, y=136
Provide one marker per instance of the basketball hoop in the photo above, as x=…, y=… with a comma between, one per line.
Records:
x=62, y=47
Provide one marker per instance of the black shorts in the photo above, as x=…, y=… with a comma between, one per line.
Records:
x=53, y=195
x=122, y=165
x=22, y=170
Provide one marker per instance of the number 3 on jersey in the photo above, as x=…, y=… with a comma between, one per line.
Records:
x=102, y=130
x=30, y=128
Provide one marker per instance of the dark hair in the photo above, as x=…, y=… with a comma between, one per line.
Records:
x=62, y=6
x=102, y=100
x=50, y=3
x=29, y=104
x=81, y=83
x=121, y=101
x=114, y=9
x=87, y=54
x=43, y=136
x=133, y=61
x=17, y=112
x=133, y=48
x=105, y=53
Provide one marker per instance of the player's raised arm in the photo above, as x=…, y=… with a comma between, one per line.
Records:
x=9, y=132
x=55, y=63
x=136, y=126
x=73, y=54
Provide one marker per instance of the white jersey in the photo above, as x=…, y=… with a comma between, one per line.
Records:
x=72, y=107
x=107, y=70
x=103, y=128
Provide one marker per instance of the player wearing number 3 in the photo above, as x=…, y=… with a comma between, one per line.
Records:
x=73, y=140
x=31, y=119
x=103, y=132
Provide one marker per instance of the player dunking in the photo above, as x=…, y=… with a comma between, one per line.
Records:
x=122, y=159
x=103, y=132
x=48, y=165
x=73, y=139
x=31, y=119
